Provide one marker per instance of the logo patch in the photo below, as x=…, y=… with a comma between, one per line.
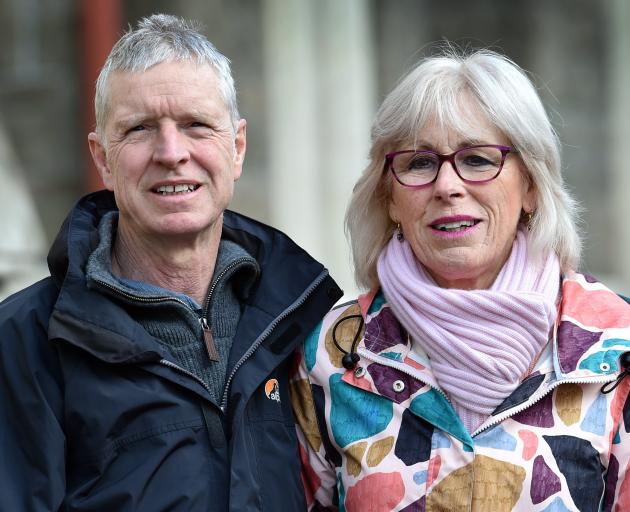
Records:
x=272, y=390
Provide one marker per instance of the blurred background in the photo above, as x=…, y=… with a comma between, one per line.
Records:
x=310, y=75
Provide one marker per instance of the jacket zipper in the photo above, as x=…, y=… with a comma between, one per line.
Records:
x=263, y=336
x=511, y=412
x=523, y=406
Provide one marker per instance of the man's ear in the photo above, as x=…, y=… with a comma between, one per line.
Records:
x=240, y=145
x=99, y=156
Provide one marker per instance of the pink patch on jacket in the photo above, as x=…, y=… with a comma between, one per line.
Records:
x=434, y=468
x=413, y=363
x=310, y=480
x=379, y=492
x=530, y=443
x=358, y=382
x=623, y=501
x=594, y=308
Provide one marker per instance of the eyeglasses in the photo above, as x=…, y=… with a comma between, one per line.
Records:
x=473, y=164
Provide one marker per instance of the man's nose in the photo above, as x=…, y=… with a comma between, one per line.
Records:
x=171, y=147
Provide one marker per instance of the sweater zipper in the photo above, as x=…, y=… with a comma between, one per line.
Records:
x=149, y=300
x=265, y=334
x=208, y=338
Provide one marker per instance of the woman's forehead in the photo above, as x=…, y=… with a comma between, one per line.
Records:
x=458, y=127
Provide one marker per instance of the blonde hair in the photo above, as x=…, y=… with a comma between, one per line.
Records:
x=436, y=89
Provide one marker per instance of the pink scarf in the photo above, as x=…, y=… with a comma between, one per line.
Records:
x=481, y=343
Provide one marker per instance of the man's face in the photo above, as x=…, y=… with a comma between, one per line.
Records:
x=170, y=154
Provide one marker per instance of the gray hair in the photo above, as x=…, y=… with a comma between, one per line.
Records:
x=438, y=88
x=160, y=38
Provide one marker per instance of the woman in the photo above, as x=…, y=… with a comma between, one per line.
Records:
x=481, y=371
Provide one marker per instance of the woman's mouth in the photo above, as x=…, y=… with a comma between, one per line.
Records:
x=454, y=226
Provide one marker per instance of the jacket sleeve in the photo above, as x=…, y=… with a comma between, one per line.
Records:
x=318, y=474
x=32, y=440
x=617, y=494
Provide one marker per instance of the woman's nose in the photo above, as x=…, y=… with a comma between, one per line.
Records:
x=448, y=183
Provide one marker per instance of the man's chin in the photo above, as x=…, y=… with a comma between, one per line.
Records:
x=183, y=226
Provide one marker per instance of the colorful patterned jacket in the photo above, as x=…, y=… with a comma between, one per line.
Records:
x=384, y=437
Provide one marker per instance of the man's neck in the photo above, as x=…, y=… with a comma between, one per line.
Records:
x=181, y=266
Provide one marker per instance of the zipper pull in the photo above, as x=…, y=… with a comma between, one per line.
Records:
x=625, y=364
x=208, y=339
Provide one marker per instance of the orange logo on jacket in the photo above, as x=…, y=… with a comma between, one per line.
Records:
x=272, y=390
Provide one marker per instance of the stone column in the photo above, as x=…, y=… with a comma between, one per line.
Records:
x=320, y=83
x=22, y=245
x=619, y=111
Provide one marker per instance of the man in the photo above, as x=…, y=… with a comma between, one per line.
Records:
x=150, y=371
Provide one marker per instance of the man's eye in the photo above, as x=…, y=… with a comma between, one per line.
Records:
x=137, y=128
x=198, y=124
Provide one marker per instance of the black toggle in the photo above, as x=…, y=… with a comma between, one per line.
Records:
x=350, y=359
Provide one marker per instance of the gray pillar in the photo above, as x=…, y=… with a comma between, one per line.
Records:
x=320, y=82
x=22, y=245
x=619, y=111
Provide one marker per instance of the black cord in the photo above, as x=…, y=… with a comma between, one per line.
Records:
x=350, y=359
x=625, y=363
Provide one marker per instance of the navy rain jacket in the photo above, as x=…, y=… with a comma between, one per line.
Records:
x=95, y=416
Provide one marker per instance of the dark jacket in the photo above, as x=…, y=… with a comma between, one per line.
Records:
x=95, y=416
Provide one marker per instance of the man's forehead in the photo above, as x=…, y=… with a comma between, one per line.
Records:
x=184, y=70
x=130, y=91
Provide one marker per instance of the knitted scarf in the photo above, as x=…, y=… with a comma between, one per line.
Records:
x=481, y=343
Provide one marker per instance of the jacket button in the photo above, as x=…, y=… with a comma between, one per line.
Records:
x=398, y=386
x=359, y=372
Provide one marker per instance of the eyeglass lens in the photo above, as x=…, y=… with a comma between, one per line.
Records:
x=472, y=164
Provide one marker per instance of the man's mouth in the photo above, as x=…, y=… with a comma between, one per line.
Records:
x=183, y=188
x=459, y=225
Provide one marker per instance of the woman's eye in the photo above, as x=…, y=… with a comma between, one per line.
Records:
x=476, y=161
x=420, y=163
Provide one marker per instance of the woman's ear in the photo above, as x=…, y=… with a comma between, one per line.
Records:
x=393, y=211
x=530, y=197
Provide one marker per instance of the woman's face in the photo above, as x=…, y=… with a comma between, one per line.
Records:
x=469, y=256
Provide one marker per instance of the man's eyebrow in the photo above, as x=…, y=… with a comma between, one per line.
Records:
x=129, y=121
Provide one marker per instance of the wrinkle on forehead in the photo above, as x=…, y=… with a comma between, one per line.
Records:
x=123, y=84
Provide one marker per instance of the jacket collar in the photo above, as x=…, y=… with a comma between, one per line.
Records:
x=101, y=326
x=591, y=332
